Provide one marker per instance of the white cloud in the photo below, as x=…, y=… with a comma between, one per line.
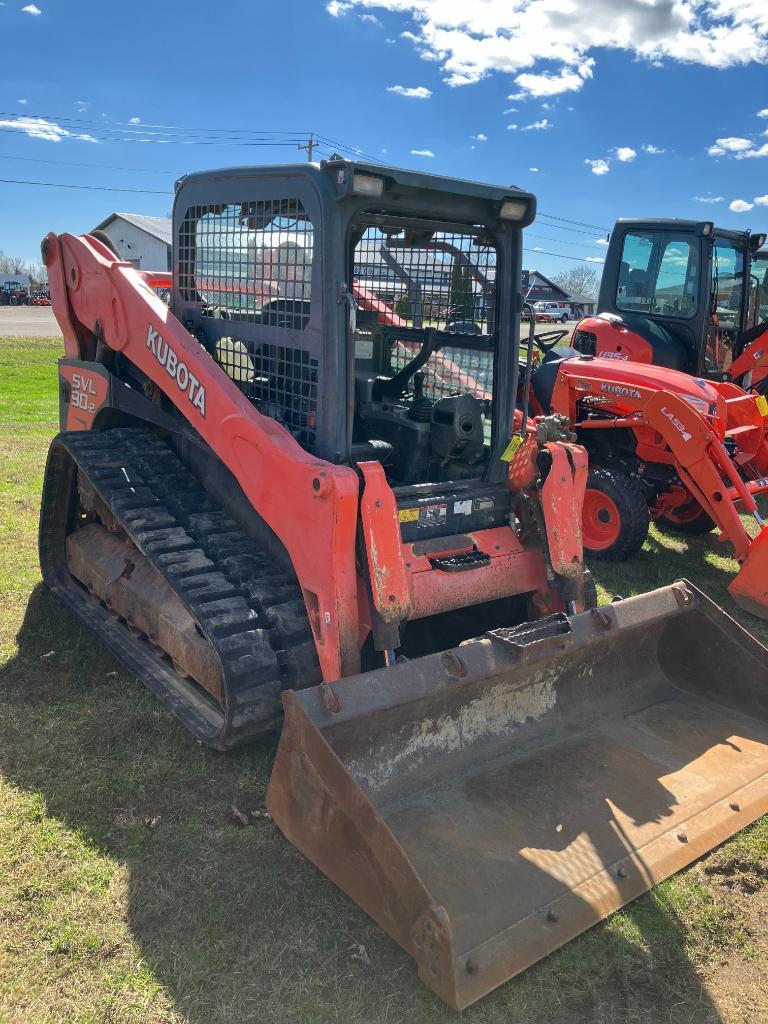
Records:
x=730, y=144
x=653, y=150
x=763, y=112
x=548, y=46
x=534, y=170
x=553, y=85
x=135, y=120
x=512, y=127
x=761, y=200
x=422, y=152
x=412, y=92
x=537, y=126
x=39, y=128
x=480, y=137
x=31, y=9
x=538, y=248
x=625, y=153
x=598, y=166
x=707, y=199
x=371, y=19
x=22, y=102
x=601, y=241
x=740, y=206
x=739, y=148
x=595, y=259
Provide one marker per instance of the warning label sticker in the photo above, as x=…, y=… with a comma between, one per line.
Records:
x=408, y=515
x=432, y=515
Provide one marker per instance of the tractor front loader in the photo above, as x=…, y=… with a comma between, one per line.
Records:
x=285, y=504
x=680, y=338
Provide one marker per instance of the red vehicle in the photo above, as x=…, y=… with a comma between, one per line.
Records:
x=683, y=304
x=285, y=511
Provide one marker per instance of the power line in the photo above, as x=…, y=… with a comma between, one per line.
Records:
x=169, y=141
x=581, y=223
x=562, y=256
x=89, y=188
x=77, y=163
x=561, y=241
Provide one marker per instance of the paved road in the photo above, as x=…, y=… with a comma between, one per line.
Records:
x=28, y=322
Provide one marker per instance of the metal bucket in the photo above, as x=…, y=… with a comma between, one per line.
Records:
x=750, y=588
x=487, y=804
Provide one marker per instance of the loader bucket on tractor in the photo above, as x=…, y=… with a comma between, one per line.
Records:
x=750, y=588
x=487, y=804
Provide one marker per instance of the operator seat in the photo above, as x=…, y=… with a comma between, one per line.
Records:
x=545, y=374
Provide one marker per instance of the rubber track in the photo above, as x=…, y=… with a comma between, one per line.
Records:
x=249, y=608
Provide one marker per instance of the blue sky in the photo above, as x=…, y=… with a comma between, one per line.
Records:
x=617, y=108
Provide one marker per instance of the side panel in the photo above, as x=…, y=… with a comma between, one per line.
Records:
x=110, y=298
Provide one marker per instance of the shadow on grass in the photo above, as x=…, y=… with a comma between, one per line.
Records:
x=234, y=923
x=666, y=557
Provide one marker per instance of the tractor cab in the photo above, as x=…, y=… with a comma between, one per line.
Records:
x=675, y=293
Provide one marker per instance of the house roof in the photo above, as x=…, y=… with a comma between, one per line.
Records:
x=157, y=227
x=546, y=281
x=581, y=300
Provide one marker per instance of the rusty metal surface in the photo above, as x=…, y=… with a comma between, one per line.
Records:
x=487, y=804
x=113, y=569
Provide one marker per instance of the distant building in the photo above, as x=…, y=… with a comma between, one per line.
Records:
x=143, y=241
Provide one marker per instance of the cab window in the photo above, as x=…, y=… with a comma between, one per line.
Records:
x=727, y=283
x=658, y=274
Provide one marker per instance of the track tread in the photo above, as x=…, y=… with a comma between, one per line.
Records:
x=251, y=610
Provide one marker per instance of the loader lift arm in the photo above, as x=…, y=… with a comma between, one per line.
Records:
x=699, y=457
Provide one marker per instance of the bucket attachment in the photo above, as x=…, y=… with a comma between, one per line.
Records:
x=487, y=804
x=750, y=588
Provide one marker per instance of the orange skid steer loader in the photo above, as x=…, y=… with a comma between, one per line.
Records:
x=285, y=511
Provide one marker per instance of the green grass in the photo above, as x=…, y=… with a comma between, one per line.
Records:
x=200, y=920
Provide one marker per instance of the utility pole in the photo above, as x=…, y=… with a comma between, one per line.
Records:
x=311, y=143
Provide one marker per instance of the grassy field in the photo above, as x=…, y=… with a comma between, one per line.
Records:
x=103, y=919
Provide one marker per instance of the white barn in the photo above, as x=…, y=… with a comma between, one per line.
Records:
x=143, y=241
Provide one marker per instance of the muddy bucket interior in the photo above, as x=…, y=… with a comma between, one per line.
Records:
x=488, y=804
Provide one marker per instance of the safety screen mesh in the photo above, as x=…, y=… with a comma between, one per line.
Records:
x=409, y=276
x=251, y=260
x=442, y=279
x=281, y=382
x=450, y=371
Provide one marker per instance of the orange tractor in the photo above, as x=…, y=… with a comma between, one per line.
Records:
x=666, y=391
x=285, y=506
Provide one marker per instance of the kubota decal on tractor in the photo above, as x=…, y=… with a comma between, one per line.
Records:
x=305, y=500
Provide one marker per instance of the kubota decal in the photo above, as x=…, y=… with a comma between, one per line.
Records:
x=620, y=391
x=676, y=423
x=177, y=370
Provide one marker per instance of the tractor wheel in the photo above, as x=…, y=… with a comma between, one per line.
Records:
x=564, y=318
x=615, y=518
x=689, y=518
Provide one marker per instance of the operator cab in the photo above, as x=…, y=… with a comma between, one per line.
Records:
x=425, y=350
x=682, y=289
x=371, y=311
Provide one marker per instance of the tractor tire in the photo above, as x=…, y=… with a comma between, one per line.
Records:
x=615, y=518
x=691, y=519
x=564, y=319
